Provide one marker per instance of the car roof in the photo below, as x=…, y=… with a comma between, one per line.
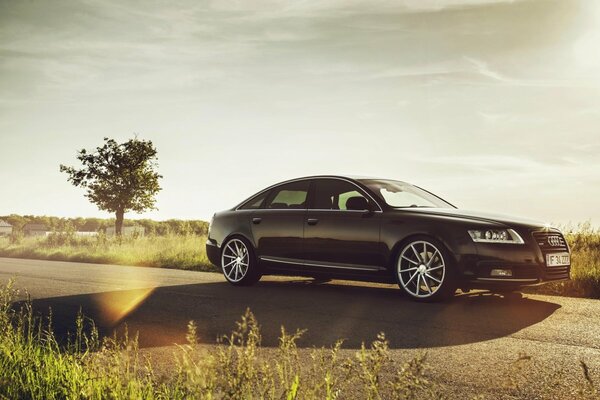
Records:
x=339, y=176
x=352, y=177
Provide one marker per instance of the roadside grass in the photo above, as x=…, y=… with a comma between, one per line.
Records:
x=35, y=365
x=585, y=265
x=188, y=252
x=172, y=251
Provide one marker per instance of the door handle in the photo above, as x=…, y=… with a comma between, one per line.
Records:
x=256, y=221
x=312, y=221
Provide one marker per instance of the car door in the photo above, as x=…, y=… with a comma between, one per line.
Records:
x=278, y=226
x=342, y=227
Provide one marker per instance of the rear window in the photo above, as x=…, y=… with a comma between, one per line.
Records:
x=255, y=203
x=290, y=195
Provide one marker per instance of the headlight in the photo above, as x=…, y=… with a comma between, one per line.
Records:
x=496, y=236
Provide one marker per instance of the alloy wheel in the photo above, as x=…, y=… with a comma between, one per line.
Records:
x=235, y=260
x=421, y=269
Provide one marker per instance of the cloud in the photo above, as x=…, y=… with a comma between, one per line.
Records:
x=489, y=162
x=444, y=68
x=484, y=69
x=494, y=118
x=472, y=86
x=312, y=8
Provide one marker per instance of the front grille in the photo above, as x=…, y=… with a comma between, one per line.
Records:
x=553, y=242
x=550, y=242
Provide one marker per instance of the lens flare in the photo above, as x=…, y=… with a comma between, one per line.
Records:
x=133, y=287
x=114, y=306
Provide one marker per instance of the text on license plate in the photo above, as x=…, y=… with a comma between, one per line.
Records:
x=557, y=259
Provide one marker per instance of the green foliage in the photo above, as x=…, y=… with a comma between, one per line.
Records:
x=64, y=237
x=370, y=364
x=35, y=366
x=118, y=177
x=58, y=225
x=584, y=242
x=172, y=251
x=411, y=379
x=16, y=237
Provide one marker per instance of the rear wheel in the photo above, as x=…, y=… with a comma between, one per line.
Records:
x=424, y=272
x=238, y=262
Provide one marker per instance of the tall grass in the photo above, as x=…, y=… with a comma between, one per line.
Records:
x=34, y=365
x=584, y=241
x=172, y=251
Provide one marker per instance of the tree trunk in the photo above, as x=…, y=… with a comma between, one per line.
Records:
x=119, y=223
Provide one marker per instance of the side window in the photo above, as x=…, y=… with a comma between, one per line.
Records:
x=346, y=197
x=256, y=202
x=289, y=196
x=335, y=194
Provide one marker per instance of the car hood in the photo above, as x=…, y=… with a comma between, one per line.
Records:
x=509, y=221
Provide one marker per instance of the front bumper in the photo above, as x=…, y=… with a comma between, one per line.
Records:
x=527, y=263
x=522, y=274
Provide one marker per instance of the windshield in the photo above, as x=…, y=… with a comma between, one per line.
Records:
x=403, y=195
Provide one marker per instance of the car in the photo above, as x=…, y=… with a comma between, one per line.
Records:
x=381, y=230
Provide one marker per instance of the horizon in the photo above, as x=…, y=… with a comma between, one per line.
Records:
x=469, y=99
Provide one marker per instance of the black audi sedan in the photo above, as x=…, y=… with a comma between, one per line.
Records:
x=380, y=230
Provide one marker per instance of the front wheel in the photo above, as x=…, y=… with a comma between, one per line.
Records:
x=424, y=272
x=238, y=263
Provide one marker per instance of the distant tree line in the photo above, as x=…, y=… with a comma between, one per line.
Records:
x=159, y=228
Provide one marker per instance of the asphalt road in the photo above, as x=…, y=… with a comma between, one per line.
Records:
x=471, y=342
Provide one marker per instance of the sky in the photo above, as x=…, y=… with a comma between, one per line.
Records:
x=493, y=105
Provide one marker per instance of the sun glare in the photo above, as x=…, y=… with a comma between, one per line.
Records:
x=134, y=287
x=114, y=306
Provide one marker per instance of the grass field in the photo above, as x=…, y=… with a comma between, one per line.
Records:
x=172, y=251
x=187, y=252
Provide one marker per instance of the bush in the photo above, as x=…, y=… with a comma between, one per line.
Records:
x=16, y=238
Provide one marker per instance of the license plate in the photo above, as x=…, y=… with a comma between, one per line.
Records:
x=557, y=259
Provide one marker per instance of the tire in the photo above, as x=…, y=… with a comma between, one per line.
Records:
x=424, y=270
x=238, y=262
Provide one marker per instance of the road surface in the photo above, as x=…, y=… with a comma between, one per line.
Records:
x=471, y=342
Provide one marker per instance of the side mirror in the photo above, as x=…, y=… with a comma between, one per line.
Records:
x=369, y=208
